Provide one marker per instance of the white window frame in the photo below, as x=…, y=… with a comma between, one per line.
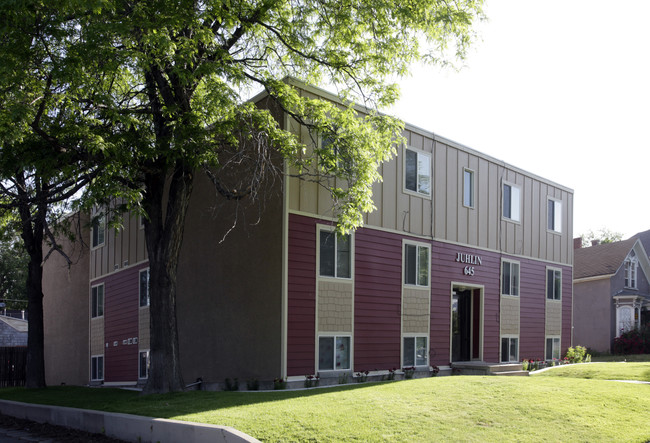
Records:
x=556, y=351
x=148, y=366
x=419, y=190
x=468, y=189
x=142, y=271
x=415, y=337
x=331, y=230
x=513, y=198
x=554, y=215
x=509, y=263
x=555, y=297
x=94, y=300
x=630, y=269
x=98, y=226
x=417, y=245
x=509, y=337
x=94, y=374
x=334, y=337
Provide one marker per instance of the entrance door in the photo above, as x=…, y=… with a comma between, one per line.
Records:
x=466, y=324
x=461, y=325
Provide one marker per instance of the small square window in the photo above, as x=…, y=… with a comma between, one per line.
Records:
x=509, y=349
x=417, y=172
x=333, y=353
x=509, y=278
x=97, y=301
x=144, y=288
x=416, y=265
x=552, y=348
x=468, y=188
x=335, y=255
x=415, y=352
x=511, y=202
x=554, y=214
x=554, y=284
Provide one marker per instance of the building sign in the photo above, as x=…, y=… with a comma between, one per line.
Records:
x=471, y=260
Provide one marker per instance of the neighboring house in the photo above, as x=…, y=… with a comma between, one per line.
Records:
x=611, y=291
x=465, y=259
x=13, y=332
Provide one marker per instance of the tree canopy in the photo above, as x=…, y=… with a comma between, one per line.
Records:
x=157, y=90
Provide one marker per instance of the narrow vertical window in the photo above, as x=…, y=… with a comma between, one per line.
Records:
x=335, y=255
x=511, y=202
x=97, y=301
x=97, y=367
x=468, y=188
x=417, y=172
x=416, y=265
x=144, y=287
x=143, y=364
x=554, y=215
x=509, y=349
x=554, y=284
x=98, y=230
x=631, y=264
x=552, y=348
x=509, y=278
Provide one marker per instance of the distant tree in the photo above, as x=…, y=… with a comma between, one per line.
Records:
x=603, y=236
x=13, y=271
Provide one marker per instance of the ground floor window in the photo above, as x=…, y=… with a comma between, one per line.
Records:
x=97, y=367
x=414, y=351
x=333, y=353
x=552, y=348
x=143, y=364
x=509, y=349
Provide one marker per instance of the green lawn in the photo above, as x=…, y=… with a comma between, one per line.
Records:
x=548, y=406
x=601, y=371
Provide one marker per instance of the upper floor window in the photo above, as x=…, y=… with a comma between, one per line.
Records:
x=468, y=188
x=97, y=301
x=554, y=284
x=631, y=264
x=511, y=202
x=417, y=172
x=554, y=215
x=335, y=255
x=509, y=278
x=144, y=287
x=98, y=230
x=416, y=264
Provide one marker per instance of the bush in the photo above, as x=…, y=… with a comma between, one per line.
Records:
x=636, y=341
x=576, y=355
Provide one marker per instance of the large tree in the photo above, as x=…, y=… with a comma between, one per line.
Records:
x=46, y=138
x=171, y=78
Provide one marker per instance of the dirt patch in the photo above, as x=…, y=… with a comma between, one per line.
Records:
x=56, y=433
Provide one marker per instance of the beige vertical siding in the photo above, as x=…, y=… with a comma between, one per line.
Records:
x=97, y=343
x=335, y=308
x=442, y=216
x=144, y=334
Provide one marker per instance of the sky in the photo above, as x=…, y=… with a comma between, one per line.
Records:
x=561, y=89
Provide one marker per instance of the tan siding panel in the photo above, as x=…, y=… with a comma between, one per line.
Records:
x=392, y=187
x=440, y=190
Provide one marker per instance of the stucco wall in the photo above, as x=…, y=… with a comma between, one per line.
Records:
x=593, y=307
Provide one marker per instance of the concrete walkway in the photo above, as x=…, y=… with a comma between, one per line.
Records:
x=20, y=436
x=130, y=428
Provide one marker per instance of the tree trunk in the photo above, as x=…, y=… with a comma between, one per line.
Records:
x=164, y=236
x=35, y=336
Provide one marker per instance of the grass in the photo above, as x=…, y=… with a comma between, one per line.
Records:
x=601, y=371
x=612, y=358
x=549, y=406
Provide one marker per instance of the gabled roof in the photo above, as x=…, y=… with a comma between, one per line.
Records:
x=645, y=239
x=15, y=323
x=601, y=260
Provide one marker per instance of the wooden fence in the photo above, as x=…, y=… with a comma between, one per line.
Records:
x=12, y=366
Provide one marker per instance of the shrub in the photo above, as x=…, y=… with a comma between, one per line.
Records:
x=636, y=341
x=253, y=385
x=279, y=383
x=231, y=385
x=576, y=355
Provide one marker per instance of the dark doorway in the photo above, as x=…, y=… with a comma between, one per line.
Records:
x=461, y=325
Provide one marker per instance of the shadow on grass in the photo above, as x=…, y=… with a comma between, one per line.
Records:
x=164, y=405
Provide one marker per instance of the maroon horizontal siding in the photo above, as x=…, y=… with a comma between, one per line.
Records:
x=567, y=306
x=377, y=300
x=121, y=307
x=301, y=327
x=532, y=308
x=446, y=270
